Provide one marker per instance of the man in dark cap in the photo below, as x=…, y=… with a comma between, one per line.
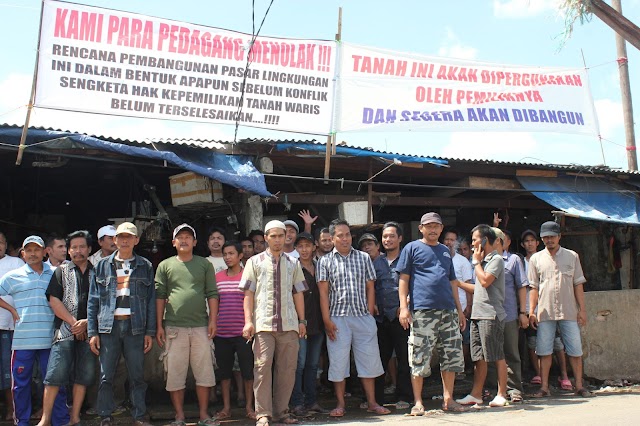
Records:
x=556, y=280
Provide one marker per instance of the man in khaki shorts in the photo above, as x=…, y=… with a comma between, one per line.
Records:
x=185, y=285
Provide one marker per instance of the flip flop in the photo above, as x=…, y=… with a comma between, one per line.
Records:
x=537, y=380
x=379, y=409
x=541, y=394
x=584, y=393
x=402, y=405
x=337, y=412
x=565, y=384
x=208, y=422
x=416, y=411
x=454, y=408
x=221, y=415
x=516, y=398
x=288, y=420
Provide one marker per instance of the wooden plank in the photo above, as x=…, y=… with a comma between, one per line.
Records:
x=494, y=203
x=537, y=173
x=476, y=182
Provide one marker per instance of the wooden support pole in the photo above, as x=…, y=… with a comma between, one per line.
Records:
x=331, y=139
x=625, y=91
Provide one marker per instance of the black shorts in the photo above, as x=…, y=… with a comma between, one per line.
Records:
x=226, y=348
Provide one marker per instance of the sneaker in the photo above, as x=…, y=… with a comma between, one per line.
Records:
x=106, y=421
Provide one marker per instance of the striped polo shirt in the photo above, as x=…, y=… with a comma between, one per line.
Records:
x=27, y=287
x=230, y=305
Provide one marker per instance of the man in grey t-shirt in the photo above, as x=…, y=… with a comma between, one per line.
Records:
x=487, y=315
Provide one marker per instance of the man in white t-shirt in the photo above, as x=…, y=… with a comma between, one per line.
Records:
x=464, y=273
x=215, y=241
x=7, y=264
x=290, y=236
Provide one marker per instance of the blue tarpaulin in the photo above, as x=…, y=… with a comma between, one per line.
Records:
x=587, y=197
x=234, y=170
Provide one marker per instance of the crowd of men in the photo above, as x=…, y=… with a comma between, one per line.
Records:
x=257, y=311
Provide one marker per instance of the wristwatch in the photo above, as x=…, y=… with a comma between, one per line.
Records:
x=524, y=313
x=474, y=262
x=302, y=322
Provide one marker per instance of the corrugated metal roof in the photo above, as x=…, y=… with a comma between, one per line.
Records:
x=219, y=144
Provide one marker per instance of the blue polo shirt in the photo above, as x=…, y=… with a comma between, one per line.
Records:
x=27, y=287
x=431, y=271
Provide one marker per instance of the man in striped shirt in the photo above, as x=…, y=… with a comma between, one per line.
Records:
x=346, y=280
x=33, y=331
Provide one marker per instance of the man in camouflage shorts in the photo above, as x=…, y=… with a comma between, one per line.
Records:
x=427, y=275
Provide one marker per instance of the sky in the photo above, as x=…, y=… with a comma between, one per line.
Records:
x=515, y=32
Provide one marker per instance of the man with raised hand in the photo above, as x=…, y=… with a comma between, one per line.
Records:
x=185, y=287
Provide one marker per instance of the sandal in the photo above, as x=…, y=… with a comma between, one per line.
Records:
x=251, y=415
x=416, y=411
x=221, y=415
x=454, y=408
x=337, y=412
x=378, y=409
x=288, y=419
x=584, y=393
x=208, y=422
x=177, y=423
x=537, y=380
x=541, y=394
x=565, y=384
x=263, y=421
x=402, y=405
x=516, y=398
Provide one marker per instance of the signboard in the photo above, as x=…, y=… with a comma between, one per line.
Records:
x=111, y=62
x=382, y=90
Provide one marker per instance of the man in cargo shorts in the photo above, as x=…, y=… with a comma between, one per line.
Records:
x=428, y=276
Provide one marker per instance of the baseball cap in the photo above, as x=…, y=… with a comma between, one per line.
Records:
x=529, y=232
x=498, y=233
x=291, y=223
x=107, y=231
x=430, y=217
x=184, y=226
x=33, y=239
x=127, y=228
x=274, y=224
x=305, y=236
x=367, y=237
x=549, y=229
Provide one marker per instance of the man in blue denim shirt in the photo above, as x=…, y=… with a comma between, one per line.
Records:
x=391, y=335
x=122, y=318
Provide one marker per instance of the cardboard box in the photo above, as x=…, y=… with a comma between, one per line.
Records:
x=190, y=188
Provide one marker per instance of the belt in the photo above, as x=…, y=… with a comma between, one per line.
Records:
x=121, y=317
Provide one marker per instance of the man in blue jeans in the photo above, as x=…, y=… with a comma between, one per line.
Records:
x=34, y=329
x=122, y=320
x=67, y=293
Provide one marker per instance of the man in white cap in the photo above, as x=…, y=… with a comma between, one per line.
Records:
x=121, y=315
x=274, y=315
x=185, y=286
x=34, y=328
x=105, y=241
x=557, y=291
x=291, y=233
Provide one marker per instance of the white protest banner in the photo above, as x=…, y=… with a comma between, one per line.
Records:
x=111, y=62
x=382, y=90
